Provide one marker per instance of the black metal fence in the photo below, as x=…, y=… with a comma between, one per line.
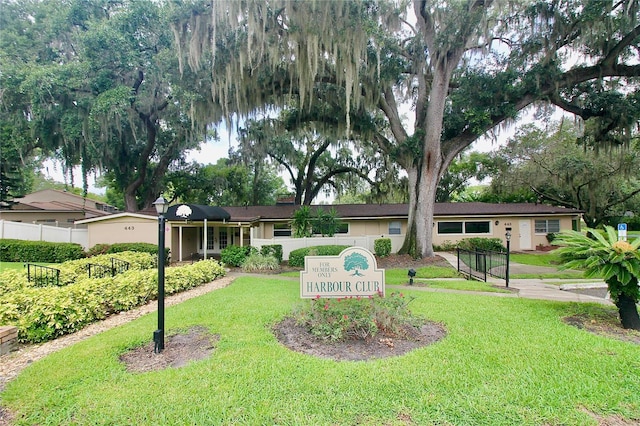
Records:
x=119, y=266
x=479, y=264
x=99, y=271
x=43, y=276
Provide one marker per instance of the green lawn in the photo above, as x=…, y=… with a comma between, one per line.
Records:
x=541, y=259
x=461, y=284
x=504, y=361
x=8, y=266
x=18, y=266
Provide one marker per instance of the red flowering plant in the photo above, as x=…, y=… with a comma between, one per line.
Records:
x=356, y=318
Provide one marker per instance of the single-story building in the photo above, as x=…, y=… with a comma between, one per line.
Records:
x=204, y=231
x=55, y=208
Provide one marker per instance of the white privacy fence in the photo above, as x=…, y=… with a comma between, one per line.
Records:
x=39, y=232
x=290, y=244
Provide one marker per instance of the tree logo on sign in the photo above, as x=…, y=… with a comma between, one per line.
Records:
x=355, y=262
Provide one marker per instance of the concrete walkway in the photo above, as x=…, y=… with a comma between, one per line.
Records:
x=537, y=288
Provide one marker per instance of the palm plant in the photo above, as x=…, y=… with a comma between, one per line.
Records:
x=618, y=262
x=302, y=222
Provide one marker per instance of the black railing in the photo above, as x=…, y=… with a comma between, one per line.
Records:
x=99, y=271
x=479, y=264
x=43, y=276
x=119, y=266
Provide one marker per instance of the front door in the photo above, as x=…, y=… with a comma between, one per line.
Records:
x=524, y=228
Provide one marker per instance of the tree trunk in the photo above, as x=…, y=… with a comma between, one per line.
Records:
x=628, y=310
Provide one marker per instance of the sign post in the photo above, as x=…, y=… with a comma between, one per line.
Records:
x=622, y=232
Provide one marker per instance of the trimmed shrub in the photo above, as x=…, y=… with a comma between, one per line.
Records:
x=274, y=250
x=235, y=255
x=296, y=257
x=140, y=247
x=45, y=313
x=382, y=247
x=481, y=244
x=39, y=251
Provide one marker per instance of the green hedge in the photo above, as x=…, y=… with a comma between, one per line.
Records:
x=120, y=247
x=45, y=313
x=39, y=251
x=481, y=244
x=296, y=257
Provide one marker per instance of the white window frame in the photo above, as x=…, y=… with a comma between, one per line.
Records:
x=542, y=226
x=286, y=228
x=395, y=230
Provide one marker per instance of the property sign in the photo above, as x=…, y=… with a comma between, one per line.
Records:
x=353, y=273
x=622, y=232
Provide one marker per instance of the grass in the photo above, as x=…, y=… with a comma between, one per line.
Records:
x=504, y=361
x=18, y=266
x=399, y=276
x=9, y=266
x=546, y=259
x=463, y=285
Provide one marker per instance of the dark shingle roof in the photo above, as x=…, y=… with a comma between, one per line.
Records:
x=377, y=211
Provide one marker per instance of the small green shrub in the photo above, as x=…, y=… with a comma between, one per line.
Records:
x=445, y=246
x=551, y=236
x=382, y=247
x=274, y=250
x=98, y=249
x=357, y=318
x=258, y=262
x=235, y=255
x=481, y=244
x=296, y=257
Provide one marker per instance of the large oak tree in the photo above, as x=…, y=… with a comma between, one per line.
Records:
x=465, y=67
x=96, y=83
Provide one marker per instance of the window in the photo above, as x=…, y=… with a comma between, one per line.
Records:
x=545, y=226
x=395, y=228
x=468, y=227
x=476, y=227
x=209, y=237
x=224, y=238
x=343, y=228
x=449, y=227
x=281, y=230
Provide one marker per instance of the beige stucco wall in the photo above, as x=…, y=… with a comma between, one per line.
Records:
x=357, y=228
x=124, y=229
x=523, y=235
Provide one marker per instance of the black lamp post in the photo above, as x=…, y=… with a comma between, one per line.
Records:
x=158, y=336
x=508, y=238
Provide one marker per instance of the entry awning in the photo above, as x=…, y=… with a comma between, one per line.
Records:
x=196, y=212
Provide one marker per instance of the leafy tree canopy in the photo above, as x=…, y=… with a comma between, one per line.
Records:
x=465, y=67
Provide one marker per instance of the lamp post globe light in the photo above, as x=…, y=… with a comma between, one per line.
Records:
x=158, y=336
x=507, y=236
